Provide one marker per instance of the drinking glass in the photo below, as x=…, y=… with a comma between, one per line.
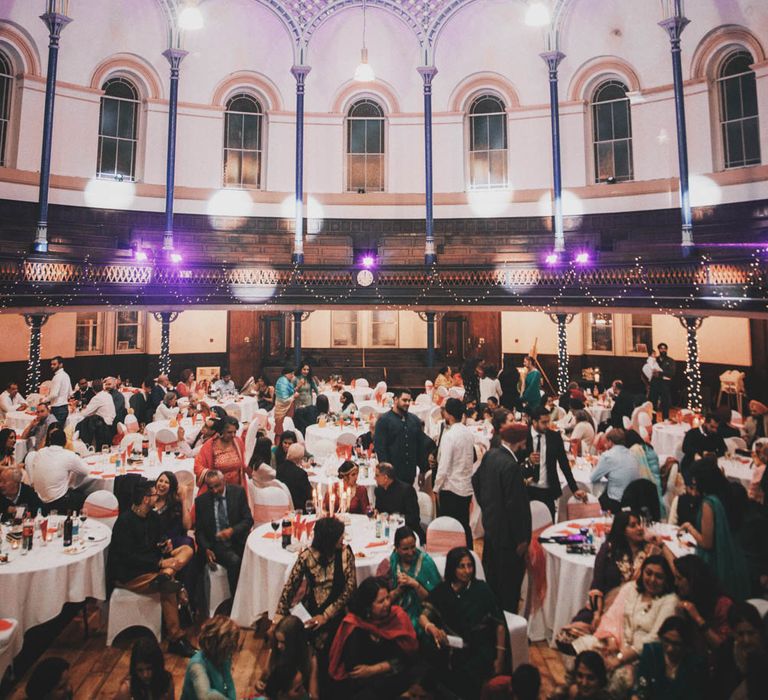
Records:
x=309, y=507
x=105, y=454
x=275, y=524
x=83, y=518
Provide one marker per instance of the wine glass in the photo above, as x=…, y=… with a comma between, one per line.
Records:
x=105, y=454
x=83, y=518
x=275, y=524
x=309, y=507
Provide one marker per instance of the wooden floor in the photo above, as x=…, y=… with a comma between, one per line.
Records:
x=98, y=670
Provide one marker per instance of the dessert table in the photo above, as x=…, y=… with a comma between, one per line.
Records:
x=37, y=585
x=569, y=575
x=266, y=566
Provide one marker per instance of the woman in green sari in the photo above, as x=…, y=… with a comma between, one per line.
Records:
x=410, y=573
x=714, y=527
x=531, y=393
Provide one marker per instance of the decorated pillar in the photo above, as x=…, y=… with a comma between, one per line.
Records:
x=35, y=323
x=553, y=59
x=166, y=318
x=55, y=19
x=430, y=338
x=674, y=24
x=430, y=253
x=298, y=317
x=300, y=73
x=562, y=321
x=692, y=366
x=175, y=57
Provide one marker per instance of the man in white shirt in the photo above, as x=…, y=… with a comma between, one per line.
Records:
x=455, y=459
x=489, y=384
x=56, y=471
x=11, y=400
x=61, y=388
x=102, y=404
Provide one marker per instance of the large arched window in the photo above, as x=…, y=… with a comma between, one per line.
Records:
x=118, y=130
x=738, y=111
x=6, y=87
x=242, y=141
x=487, y=143
x=365, y=147
x=612, y=132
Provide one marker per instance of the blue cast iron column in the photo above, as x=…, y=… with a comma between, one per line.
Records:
x=553, y=59
x=174, y=56
x=427, y=73
x=430, y=316
x=300, y=73
x=674, y=27
x=297, y=319
x=55, y=23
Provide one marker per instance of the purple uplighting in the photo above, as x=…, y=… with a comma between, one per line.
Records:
x=176, y=258
x=141, y=256
x=368, y=261
x=552, y=259
x=581, y=258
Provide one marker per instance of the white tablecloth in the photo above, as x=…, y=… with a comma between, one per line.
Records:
x=103, y=475
x=667, y=438
x=248, y=405
x=266, y=566
x=36, y=586
x=322, y=441
x=737, y=469
x=359, y=394
x=569, y=575
x=19, y=420
x=599, y=413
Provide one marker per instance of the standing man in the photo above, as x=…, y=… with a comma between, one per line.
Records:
x=399, y=439
x=156, y=396
x=61, y=388
x=455, y=458
x=661, y=381
x=223, y=523
x=141, y=403
x=546, y=452
x=500, y=491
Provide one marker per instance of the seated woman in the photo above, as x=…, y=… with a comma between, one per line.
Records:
x=186, y=385
x=463, y=606
x=7, y=447
x=747, y=640
x=633, y=620
x=225, y=452
x=284, y=683
x=280, y=450
x=322, y=580
x=289, y=647
x=702, y=601
x=760, y=459
x=670, y=668
x=348, y=473
x=260, y=463
x=148, y=679
x=583, y=432
x=365, y=441
x=167, y=408
x=618, y=561
x=347, y=403
x=587, y=681
x=410, y=573
x=209, y=673
x=374, y=646
x=648, y=461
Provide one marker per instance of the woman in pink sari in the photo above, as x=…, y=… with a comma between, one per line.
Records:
x=225, y=452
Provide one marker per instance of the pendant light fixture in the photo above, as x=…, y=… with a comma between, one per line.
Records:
x=364, y=73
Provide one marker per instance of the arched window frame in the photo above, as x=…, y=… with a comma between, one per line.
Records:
x=6, y=98
x=237, y=153
x=606, y=145
x=479, y=176
x=373, y=161
x=740, y=124
x=127, y=108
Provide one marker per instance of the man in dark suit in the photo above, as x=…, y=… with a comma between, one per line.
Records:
x=14, y=493
x=223, y=521
x=623, y=405
x=698, y=441
x=395, y=496
x=141, y=403
x=159, y=390
x=499, y=488
x=294, y=477
x=546, y=452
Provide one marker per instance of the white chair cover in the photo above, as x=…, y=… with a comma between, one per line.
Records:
x=426, y=508
x=250, y=437
x=11, y=641
x=102, y=505
x=366, y=412
x=576, y=509
x=627, y=423
x=185, y=478
x=361, y=383
x=288, y=423
x=261, y=417
x=761, y=604
x=216, y=587
x=33, y=400
x=233, y=409
x=166, y=437
x=675, y=486
x=454, y=392
x=644, y=425
x=737, y=419
x=540, y=515
x=423, y=399
x=129, y=440
x=268, y=504
x=443, y=534
x=735, y=443
x=131, y=423
x=128, y=609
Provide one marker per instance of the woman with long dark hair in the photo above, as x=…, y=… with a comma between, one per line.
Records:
x=289, y=647
x=509, y=379
x=7, y=447
x=148, y=678
x=306, y=387
x=587, y=681
x=347, y=403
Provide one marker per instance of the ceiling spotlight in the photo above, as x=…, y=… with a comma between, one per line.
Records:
x=141, y=256
x=190, y=18
x=581, y=258
x=537, y=15
x=175, y=258
x=552, y=259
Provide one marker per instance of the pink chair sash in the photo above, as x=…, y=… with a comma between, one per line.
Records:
x=443, y=541
x=264, y=513
x=577, y=511
x=536, y=564
x=92, y=510
x=344, y=451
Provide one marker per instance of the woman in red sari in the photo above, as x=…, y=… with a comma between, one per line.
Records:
x=225, y=452
x=375, y=646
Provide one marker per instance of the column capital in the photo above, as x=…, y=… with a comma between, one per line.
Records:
x=38, y=320
x=691, y=323
x=55, y=21
x=561, y=317
x=165, y=316
x=429, y=316
x=674, y=27
x=553, y=60
x=175, y=57
x=300, y=73
x=427, y=73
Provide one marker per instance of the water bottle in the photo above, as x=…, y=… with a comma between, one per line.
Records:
x=386, y=528
x=378, y=527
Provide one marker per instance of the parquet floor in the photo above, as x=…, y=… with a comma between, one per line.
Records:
x=98, y=670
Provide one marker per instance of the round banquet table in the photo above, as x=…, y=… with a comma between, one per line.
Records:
x=248, y=405
x=667, y=438
x=737, y=469
x=36, y=586
x=569, y=575
x=600, y=414
x=322, y=441
x=19, y=420
x=103, y=474
x=359, y=394
x=266, y=566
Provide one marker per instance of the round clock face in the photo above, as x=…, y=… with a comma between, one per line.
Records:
x=365, y=278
